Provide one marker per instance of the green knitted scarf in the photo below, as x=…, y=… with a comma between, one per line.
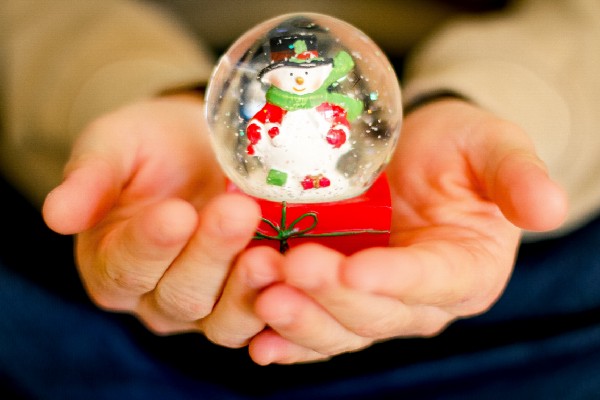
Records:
x=342, y=64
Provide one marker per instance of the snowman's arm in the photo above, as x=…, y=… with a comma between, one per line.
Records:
x=340, y=127
x=342, y=65
x=270, y=113
x=334, y=114
x=267, y=119
x=253, y=132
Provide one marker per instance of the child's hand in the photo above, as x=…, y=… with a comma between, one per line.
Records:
x=156, y=235
x=462, y=182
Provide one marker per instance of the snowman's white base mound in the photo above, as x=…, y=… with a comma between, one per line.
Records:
x=293, y=191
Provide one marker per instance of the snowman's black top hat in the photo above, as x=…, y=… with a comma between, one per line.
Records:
x=295, y=50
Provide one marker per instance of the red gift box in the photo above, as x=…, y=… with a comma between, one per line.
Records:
x=346, y=226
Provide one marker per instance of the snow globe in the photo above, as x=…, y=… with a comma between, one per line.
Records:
x=304, y=112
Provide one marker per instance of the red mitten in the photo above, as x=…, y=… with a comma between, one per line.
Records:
x=336, y=137
x=274, y=131
x=253, y=132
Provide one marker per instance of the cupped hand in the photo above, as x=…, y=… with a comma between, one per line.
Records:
x=156, y=234
x=464, y=184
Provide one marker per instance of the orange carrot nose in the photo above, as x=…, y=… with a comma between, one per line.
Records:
x=299, y=80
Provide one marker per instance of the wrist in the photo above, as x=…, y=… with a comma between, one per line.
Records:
x=431, y=97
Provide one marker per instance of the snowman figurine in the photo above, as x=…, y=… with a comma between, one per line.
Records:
x=303, y=130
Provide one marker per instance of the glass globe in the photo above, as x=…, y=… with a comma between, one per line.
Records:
x=304, y=108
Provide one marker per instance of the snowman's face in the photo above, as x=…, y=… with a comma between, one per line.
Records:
x=298, y=80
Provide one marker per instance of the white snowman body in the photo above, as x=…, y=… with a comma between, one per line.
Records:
x=301, y=150
x=297, y=144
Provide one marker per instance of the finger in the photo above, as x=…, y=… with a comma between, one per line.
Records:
x=269, y=347
x=316, y=270
x=233, y=321
x=516, y=179
x=299, y=319
x=526, y=195
x=461, y=277
x=83, y=198
x=190, y=287
x=136, y=254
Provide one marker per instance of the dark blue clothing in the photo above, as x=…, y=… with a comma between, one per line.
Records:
x=540, y=341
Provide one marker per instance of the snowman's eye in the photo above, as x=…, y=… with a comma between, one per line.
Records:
x=305, y=72
x=291, y=74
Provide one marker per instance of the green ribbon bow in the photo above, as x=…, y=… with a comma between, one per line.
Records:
x=284, y=232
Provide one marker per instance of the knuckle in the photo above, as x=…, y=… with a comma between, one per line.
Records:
x=376, y=329
x=433, y=329
x=348, y=347
x=130, y=281
x=435, y=323
x=105, y=302
x=109, y=302
x=157, y=327
x=477, y=306
x=226, y=339
x=183, y=305
x=479, y=303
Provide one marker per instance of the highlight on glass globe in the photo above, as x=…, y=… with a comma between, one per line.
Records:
x=304, y=108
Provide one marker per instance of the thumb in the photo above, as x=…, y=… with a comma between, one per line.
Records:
x=525, y=193
x=89, y=190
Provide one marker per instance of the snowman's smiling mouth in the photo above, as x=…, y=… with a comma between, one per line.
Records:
x=299, y=89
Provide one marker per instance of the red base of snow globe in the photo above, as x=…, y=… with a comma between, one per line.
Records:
x=347, y=226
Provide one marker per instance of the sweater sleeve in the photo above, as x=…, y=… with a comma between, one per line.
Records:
x=537, y=65
x=65, y=62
